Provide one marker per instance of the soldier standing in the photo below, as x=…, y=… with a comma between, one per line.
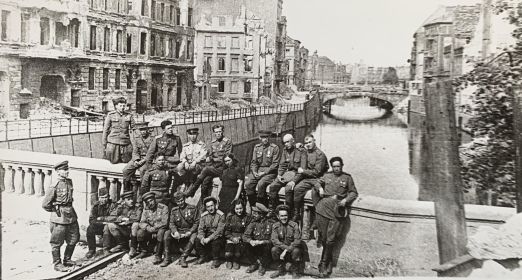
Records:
x=257, y=237
x=159, y=180
x=64, y=221
x=192, y=157
x=152, y=227
x=120, y=230
x=102, y=212
x=235, y=225
x=116, y=136
x=183, y=227
x=286, y=238
x=167, y=144
x=263, y=168
x=219, y=148
x=292, y=158
x=332, y=204
x=210, y=233
x=139, y=152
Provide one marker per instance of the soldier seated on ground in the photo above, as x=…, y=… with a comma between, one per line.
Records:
x=287, y=247
x=151, y=228
x=102, y=212
x=183, y=227
x=209, y=242
x=257, y=238
x=127, y=213
x=235, y=225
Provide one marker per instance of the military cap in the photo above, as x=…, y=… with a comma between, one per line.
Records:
x=165, y=123
x=141, y=125
x=148, y=195
x=127, y=194
x=260, y=208
x=264, y=133
x=62, y=165
x=282, y=207
x=217, y=126
x=103, y=192
x=209, y=198
x=193, y=130
x=178, y=195
x=118, y=100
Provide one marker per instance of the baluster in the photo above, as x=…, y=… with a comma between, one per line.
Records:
x=48, y=179
x=28, y=181
x=19, y=180
x=102, y=184
x=113, y=189
x=8, y=178
x=39, y=182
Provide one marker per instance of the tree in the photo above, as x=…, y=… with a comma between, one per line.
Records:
x=390, y=77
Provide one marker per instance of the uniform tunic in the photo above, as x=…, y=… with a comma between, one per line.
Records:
x=157, y=219
x=286, y=236
x=184, y=219
x=211, y=226
x=133, y=213
x=218, y=149
x=141, y=147
x=265, y=158
x=193, y=152
x=341, y=185
x=168, y=145
x=158, y=179
x=236, y=225
x=103, y=213
x=116, y=128
x=258, y=230
x=291, y=160
x=59, y=198
x=316, y=165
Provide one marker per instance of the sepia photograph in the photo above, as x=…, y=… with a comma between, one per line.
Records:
x=257, y=139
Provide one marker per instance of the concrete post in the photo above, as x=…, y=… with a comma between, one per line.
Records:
x=517, y=108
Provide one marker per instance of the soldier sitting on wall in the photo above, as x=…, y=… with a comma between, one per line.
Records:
x=139, y=152
x=127, y=213
x=160, y=180
x=192, y=157
x=102, y=212
x=116, y=136
x=167, y=144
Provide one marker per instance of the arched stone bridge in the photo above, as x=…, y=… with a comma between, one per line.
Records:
x=385, y=100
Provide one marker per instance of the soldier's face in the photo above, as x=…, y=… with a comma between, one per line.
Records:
x=238, y=209
x=283, y=216
x=289, y=143
x=309, y=143
x=193, y=137
x=337, y=167
x=63, y=172
x=120, y=107
x=218, y=133
x=169, y=129
x=151, y=203
x=263, y=139
x=160, y=161
x=180, y=202
x=144, y=132
x=256, y=215
x=103, y=200
x=128, y=201
x=228, y=161
x=211, y=207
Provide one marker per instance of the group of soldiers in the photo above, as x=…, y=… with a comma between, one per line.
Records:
x=153, y=216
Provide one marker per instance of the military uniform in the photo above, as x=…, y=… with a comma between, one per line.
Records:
x=211, y=226
x=120, y=229
x=192, y=153
x=64, y=221
x=331, y=216
x=159, y=180
x=287, y=237
x=116, y=137
x=184, y=220
x=152, y=225
x=167, y=145
x=218, y=149
x=291, y=160
x=260, y=231
x=234, y=228
x=138, y=162
x=100, y=215
x=265, y=158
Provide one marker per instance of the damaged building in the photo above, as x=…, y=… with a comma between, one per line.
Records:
x=85, y=53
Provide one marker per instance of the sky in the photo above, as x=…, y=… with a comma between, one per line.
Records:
x=376, y=32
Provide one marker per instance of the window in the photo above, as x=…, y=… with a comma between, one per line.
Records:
x=221, y=86
x=235, y=42
x=92, y=77
x=247, y=87
x=162, y=46
x=233, y=87
x=208, y=41
x=118, y=6
x=221, y=42
x=117, y=79
x=189, y=18
x=171, y=14
x=5, y=19
x=178, y=16
x=119, y=39
x=235, y=64
x=222, y=21
x=207, y=64
x=44, y=30
x=162, y=12
x=129, y=43
x=24, y=36
x=92, y=3
x=221, y=63
x=143, y=43
x=105, y=5
x=129, y=6
x=248, y=63
x=106, y=39
x=129, y=79
x=189, y=53
x=144, y=7
x=152, y=45
x=105, y=78
x=178, y=48
x=153, y=10
x=74, y=31
x=170, y=47
x=60, y=33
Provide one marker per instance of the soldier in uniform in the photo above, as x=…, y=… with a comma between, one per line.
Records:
x=152, y=226
x=287, y=247
x=183, y=227
x=219, y=147
x=64, y=221
x=192, y=157
x=126, y=214
x=291, y=160
x=139, y=151
x=210, y=233
x=257, y=237
x=332, y=203
x=116, y=136
x=263, y=168
x=159, y=180
x=307, y=178
x=167, y=144
x=235, y=225
x=102, y=212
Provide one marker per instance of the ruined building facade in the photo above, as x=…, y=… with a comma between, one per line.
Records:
x=84, y=53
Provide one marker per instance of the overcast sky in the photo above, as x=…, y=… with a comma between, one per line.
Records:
x=378, y=32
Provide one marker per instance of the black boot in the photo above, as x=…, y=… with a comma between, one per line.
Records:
x=252, y=199
x=322, y=263
x=67, y=255
x=133, y=247
x=158, y=252
x=167, y=258
x=280, y=271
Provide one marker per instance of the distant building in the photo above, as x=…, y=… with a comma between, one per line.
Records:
x=297, y=60
x=321, y=70
x=341, y=76
x=84, y=53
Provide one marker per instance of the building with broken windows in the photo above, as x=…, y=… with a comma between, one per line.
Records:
x=83, y=53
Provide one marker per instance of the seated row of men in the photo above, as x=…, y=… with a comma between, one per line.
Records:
x=152, y=230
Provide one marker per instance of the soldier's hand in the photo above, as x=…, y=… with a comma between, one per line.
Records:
x=300, y=170
x=321, y=192
x=290, y=185
x=280, y=178
x=143, y=225
x=176, y=235
x=253, y=243
x=207, y=159
x=261, y=174
x=282, y=256
x=342, y=203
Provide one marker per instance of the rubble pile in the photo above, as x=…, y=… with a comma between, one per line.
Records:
x=493, y=270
